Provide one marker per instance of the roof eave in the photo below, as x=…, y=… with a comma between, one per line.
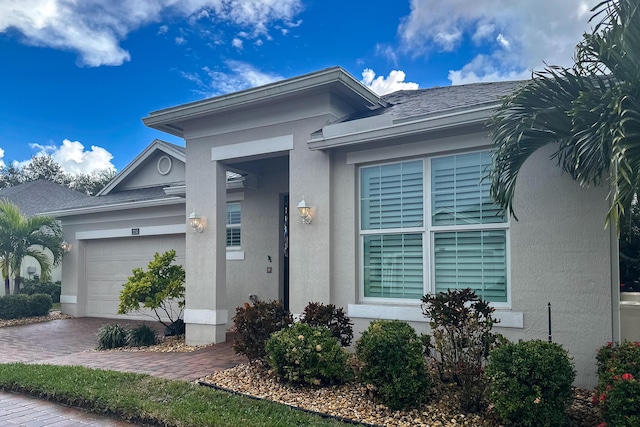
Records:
x=405, y=128
x=116, y=207
x=168, y=120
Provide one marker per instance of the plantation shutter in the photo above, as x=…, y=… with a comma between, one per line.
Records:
x=392, y=196
x=472, y=259
x=393, y=266
x=233, y=224
x=459, y=196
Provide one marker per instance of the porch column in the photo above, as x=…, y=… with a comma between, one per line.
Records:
x=206, y=313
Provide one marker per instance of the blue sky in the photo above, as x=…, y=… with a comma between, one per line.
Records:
x=77, y=76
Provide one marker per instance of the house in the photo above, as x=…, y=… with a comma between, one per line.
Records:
x=394, y=208
x=35, y=198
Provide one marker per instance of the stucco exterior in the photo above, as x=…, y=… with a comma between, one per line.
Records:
x=308, y=138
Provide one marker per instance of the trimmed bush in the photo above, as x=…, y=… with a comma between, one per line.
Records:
x=460, y=342
x=34, y=286
x=531, y=383
x=318, y=314
x=618, y=391
x=38, y=305
x=142, y=336
x=111, y=336
x=20, y=306
x=392, y=362
x=307, y=354
x=255, y=324
x=615, y=359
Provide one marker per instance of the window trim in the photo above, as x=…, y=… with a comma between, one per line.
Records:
x=234, y=226
x=428, y=232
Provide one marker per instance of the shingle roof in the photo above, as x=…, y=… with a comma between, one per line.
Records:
x=40, y=196
x=410, y=103
x=127, y=196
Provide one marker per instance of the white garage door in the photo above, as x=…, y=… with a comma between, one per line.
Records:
x=109, y=263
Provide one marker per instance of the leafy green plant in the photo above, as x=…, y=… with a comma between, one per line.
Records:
x=255, y=324
x=615, y=359
x=38, y=305
x=160, y=289
x=461, y=339
x=620, y=401
x=531, y=383
x=618, y=392
x=19, y=306
x=111, y=336
x=142, y=336
x=34, y=286
x=318, y=314
x=308, y=354
x=392, y=362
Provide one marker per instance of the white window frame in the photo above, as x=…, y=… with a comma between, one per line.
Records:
x=428, y=234
x=234, y=226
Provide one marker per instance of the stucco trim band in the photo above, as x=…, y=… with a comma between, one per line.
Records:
x=252, y=148
x=157, y=230
x=206, y=317
x=68, y=299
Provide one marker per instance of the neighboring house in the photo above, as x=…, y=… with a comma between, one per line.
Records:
x=34, y=198
x=398, y=210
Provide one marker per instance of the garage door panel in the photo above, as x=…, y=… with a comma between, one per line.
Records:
x=109, y=263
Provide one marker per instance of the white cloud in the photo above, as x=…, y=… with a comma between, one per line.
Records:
x=514, y=37
x=74, y=159
x=2, y=164
x=237, y=43
x=392, y=83
x=163, y=29
x=180, y=40
x=95, y=28
x=238, y=76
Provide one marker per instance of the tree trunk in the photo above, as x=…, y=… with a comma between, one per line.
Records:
x=7, y=286
x=16, y=285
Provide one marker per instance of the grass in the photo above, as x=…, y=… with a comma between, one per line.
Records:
x=142, y=398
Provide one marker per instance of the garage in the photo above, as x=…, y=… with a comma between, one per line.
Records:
x=109, y=262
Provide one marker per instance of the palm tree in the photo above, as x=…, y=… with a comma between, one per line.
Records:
x=591, y=112
x=22, y=236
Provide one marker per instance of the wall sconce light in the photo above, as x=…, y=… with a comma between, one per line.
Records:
x=195, y=221
x=305, y=212
x=66, y=247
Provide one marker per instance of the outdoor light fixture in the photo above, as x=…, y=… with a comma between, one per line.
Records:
x=305, y=212
x=195, y=221
x=66, y=246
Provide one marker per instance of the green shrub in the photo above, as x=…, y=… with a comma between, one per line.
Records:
x=392, y=362
x=20, y=306
x=34, y=286
x=318, y=314
x=307, y=354
x=531, y=383
x=620, y=402
x=111, y=336
x=255, y=324
x=142, y=336
x=618, y=392
x=616, y=359
x=38, y=305
x=461, y=325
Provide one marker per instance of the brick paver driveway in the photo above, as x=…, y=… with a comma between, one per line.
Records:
x=71, y=342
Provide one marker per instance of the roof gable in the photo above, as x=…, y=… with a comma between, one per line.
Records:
x=40, y=196
x=161, y=164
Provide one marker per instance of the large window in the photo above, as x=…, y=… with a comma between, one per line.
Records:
x=233, y=226
x=416, y=241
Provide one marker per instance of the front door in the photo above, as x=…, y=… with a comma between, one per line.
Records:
x=284, y=247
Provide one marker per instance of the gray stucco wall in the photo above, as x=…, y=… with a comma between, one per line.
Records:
x=560, y=252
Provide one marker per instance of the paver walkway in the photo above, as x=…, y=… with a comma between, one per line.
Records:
x=71, y=342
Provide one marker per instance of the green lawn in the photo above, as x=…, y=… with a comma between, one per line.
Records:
x=142, y=398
